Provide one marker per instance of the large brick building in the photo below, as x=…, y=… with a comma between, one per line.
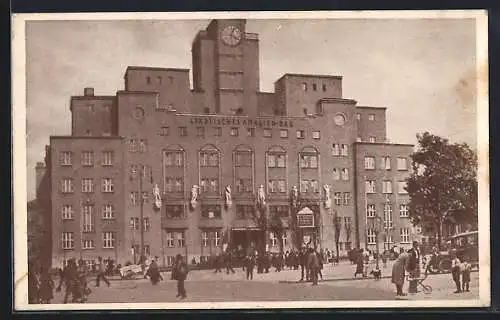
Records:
x=214, y=150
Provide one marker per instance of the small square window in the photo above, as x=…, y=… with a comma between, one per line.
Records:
x=283, y=133
x=314, y=87
x=164, y=131
x=268, y=133
x=206, y=110
x=358, y=116
x=371, y=117
x=217, y=131
x=233, y=132
x=316, y=135
x=324, y=87
x=304, y=86
x=300, y=134
x=371, y=139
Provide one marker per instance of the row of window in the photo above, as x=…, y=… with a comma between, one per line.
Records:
x=371, y=236
x=404, y=211
x=314, y=86
x=370, y=187
x=107, y=212
x=68, y=241
x=86, y=158
x=371, y=117
x=235, y=132
x=87, y=185
x=385, y=163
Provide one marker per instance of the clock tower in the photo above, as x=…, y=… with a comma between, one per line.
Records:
x=225, y=67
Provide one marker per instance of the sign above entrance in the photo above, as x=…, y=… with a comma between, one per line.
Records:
x=235, y=121
x=305, y=218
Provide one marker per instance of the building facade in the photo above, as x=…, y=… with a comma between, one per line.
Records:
x=200, y=164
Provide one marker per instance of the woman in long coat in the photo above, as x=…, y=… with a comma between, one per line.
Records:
x=398, y=272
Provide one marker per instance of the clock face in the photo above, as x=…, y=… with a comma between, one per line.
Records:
x=339, y=119
x=231, y=36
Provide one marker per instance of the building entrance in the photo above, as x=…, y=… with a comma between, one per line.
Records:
x=244, y=240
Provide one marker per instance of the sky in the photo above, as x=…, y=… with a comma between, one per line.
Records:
x=422, y=71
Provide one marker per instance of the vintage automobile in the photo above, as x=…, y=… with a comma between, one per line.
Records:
x=465, y=245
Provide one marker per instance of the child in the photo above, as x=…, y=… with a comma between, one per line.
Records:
x=465, y=268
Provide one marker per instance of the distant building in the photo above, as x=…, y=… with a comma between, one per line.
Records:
x=196, y=144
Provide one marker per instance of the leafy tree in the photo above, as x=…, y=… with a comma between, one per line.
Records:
x=443, y=184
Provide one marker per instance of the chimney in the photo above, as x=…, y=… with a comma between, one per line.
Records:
x=40, y=170
x=88, y=92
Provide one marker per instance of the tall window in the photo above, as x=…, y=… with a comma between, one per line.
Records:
x=344, y=150
x=143, y=145
x=135, y=223
x=243, y=159
x=388, y=239
x=67, y=185
x=174, y=211
x=87, y=244
x=371, y=236
x=233, y=132
x=405, y=235
x=370, y=186
x=346, y=198
x=183, y=131
x=370, y=163
x=173, y=158
x=67, y=212
x=66, y=158
x=107, y=158
x=274, y=239
x=401, y=163
x=87, y=158
x=134, y=198
x=277, y=186
x=276, y=160
x=348, y=222
x=217, y=131
x=108, y=211
x=336, y=149
x=68, y=241
x=386, y=186
x=337, y=198
x=388, y=216
x=108, y=240
x=175, y=239
x=345, y=174
x=211, y=238
x=200, y=131
x=336, y=174
x=146, y=225
x=308, y=161
x=174, y=184
x=402, y=187
x=370, y=211
x=209, y=159
x=385, y=163
x=132, y=145
x=250, y=132
x=211, y=212
x=300, y=134
x=404, y=211
x=88, y=218
x=107, y=185
x=87, y=185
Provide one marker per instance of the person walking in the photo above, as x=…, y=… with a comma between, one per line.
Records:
x=217, y=263
x=101, y=270
x=179, y=273
x=303, y=264
x=249, y=265
x=455, y=271
x=413, y=267
x=398, y=272
x=321, y=258
x=69, y=276
x=229, y=261
x=313, y=266
x=153, y=272
x=466, y=267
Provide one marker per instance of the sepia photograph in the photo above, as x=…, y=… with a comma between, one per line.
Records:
x=251, y=160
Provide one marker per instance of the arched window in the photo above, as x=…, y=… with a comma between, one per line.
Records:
x=309, y=158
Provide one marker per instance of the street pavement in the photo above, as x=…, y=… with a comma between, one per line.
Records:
x=206, y=286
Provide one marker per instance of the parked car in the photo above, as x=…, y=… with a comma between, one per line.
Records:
x=465, y=245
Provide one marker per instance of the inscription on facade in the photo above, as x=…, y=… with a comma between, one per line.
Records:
x=229, y=121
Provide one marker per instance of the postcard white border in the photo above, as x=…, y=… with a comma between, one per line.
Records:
x=20, y=169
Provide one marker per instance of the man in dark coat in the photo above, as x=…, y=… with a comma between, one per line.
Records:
x=101, y=271
x=229, y=261
x=413, y=266
x=179, y=273
x=313, y=266
x=249, y=265
x=303, y=264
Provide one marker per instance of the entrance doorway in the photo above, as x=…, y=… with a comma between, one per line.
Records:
x=245, y=240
